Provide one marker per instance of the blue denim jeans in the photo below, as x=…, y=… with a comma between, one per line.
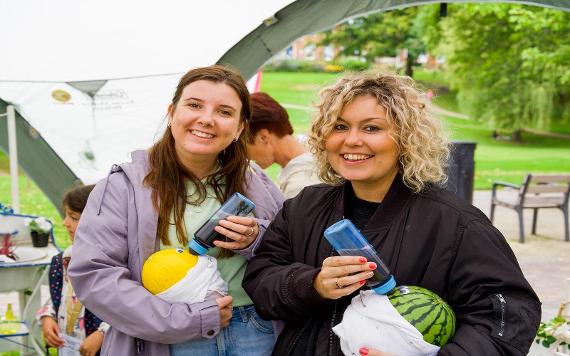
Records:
x=246, y=335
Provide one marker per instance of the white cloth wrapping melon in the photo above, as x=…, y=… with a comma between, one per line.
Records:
x=202, y=281
x=371, y=321
x=177, y=276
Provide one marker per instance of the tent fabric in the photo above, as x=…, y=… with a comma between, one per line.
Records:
x=91, y=80
x=309, y=16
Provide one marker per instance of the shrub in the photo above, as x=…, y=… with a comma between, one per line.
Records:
x=353, y=64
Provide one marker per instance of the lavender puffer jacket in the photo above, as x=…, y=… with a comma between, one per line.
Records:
x=116, y=234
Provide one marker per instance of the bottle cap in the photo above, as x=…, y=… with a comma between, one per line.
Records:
x=386, y=286
x=197, y=248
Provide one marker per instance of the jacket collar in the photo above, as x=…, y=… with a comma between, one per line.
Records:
x=393, y=204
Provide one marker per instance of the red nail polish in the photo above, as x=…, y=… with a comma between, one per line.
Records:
x=363, y=351
x=362, y=260
x=372, y=265
x=362, y=282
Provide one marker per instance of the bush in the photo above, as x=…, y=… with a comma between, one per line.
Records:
x=353, y=64
x=333, y=68
x=293, y=65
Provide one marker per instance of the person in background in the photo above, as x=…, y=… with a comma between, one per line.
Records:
x=271, y=141
x=383, y=158
x=64, y=313
x=158, y=201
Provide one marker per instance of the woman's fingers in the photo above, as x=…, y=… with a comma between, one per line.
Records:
x=342, y=275
x=225, y=305
x=241, y=220
x=365, y=351
x=242, y=231
x=345, y=266
x=351, y=279
x=336, y=261
x=337, y=292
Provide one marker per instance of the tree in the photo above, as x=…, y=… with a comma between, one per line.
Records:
x=377, y=35
x=510, y=63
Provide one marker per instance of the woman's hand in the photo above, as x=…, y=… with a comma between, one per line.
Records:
x=342, y=275
x=51, y=332
x=225, y=305
x=365, y=351
x=241, y=230
x=92, y=344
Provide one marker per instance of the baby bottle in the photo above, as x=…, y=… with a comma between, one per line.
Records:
x=348, y=241
x=205, y=236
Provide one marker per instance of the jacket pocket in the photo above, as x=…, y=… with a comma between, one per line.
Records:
x=515, y=320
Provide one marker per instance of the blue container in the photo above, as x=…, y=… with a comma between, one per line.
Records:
x=204, y=238
x=348, y=241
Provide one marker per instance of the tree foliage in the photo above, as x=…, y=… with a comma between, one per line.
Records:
x=378, y=35
x=509, y=63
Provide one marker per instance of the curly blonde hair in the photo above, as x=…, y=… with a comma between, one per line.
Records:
x=422, y=147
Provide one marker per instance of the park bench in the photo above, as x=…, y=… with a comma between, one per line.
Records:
x=536, y=192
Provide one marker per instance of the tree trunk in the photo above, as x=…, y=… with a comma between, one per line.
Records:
x=410, y=65
x=516, y=136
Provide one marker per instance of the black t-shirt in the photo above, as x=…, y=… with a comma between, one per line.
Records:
x=357, y=210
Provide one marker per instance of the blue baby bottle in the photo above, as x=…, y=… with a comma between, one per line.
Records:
x=204, y=238
x=348, y=241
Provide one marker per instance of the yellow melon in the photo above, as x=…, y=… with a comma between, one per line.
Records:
x=165, y=268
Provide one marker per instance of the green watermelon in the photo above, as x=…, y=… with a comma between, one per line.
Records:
x=426, y=311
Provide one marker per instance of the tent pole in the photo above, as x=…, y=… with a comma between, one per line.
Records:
x=13, y=155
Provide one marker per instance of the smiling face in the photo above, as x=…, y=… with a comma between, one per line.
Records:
x=70, y=221
x=205, y=121
x=360, y=148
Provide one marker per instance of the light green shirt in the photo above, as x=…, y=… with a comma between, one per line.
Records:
x=231, y=269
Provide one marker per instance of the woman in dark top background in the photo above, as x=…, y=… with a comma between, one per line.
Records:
x=383, y=157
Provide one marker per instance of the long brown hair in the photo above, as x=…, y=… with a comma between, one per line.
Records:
x=168, y=177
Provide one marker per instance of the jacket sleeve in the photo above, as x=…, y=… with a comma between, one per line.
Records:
x=102, y=280
x=280, y=287
x=497, y=311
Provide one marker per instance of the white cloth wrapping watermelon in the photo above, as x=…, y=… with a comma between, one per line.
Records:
x=371, y=320
x=200, y=283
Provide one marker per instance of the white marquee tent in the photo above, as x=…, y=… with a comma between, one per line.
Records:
x=91, y=80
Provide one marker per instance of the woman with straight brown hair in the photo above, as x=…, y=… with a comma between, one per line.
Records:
x=158, y=201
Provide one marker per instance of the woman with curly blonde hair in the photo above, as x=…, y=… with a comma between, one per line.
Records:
x=423, y=150
x=383, y=158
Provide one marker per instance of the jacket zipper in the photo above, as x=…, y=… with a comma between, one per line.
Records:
x=297, y=337
x=330, y=329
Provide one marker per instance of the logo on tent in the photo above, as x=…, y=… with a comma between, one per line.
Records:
x=61, y=95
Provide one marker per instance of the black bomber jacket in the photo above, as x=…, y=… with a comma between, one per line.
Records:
x=432, y=239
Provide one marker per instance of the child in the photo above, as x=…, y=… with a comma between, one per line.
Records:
x=64, y=318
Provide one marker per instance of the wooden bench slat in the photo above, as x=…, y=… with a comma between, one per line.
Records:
x=554, y=178
x=537, y=191
x=547, y=188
